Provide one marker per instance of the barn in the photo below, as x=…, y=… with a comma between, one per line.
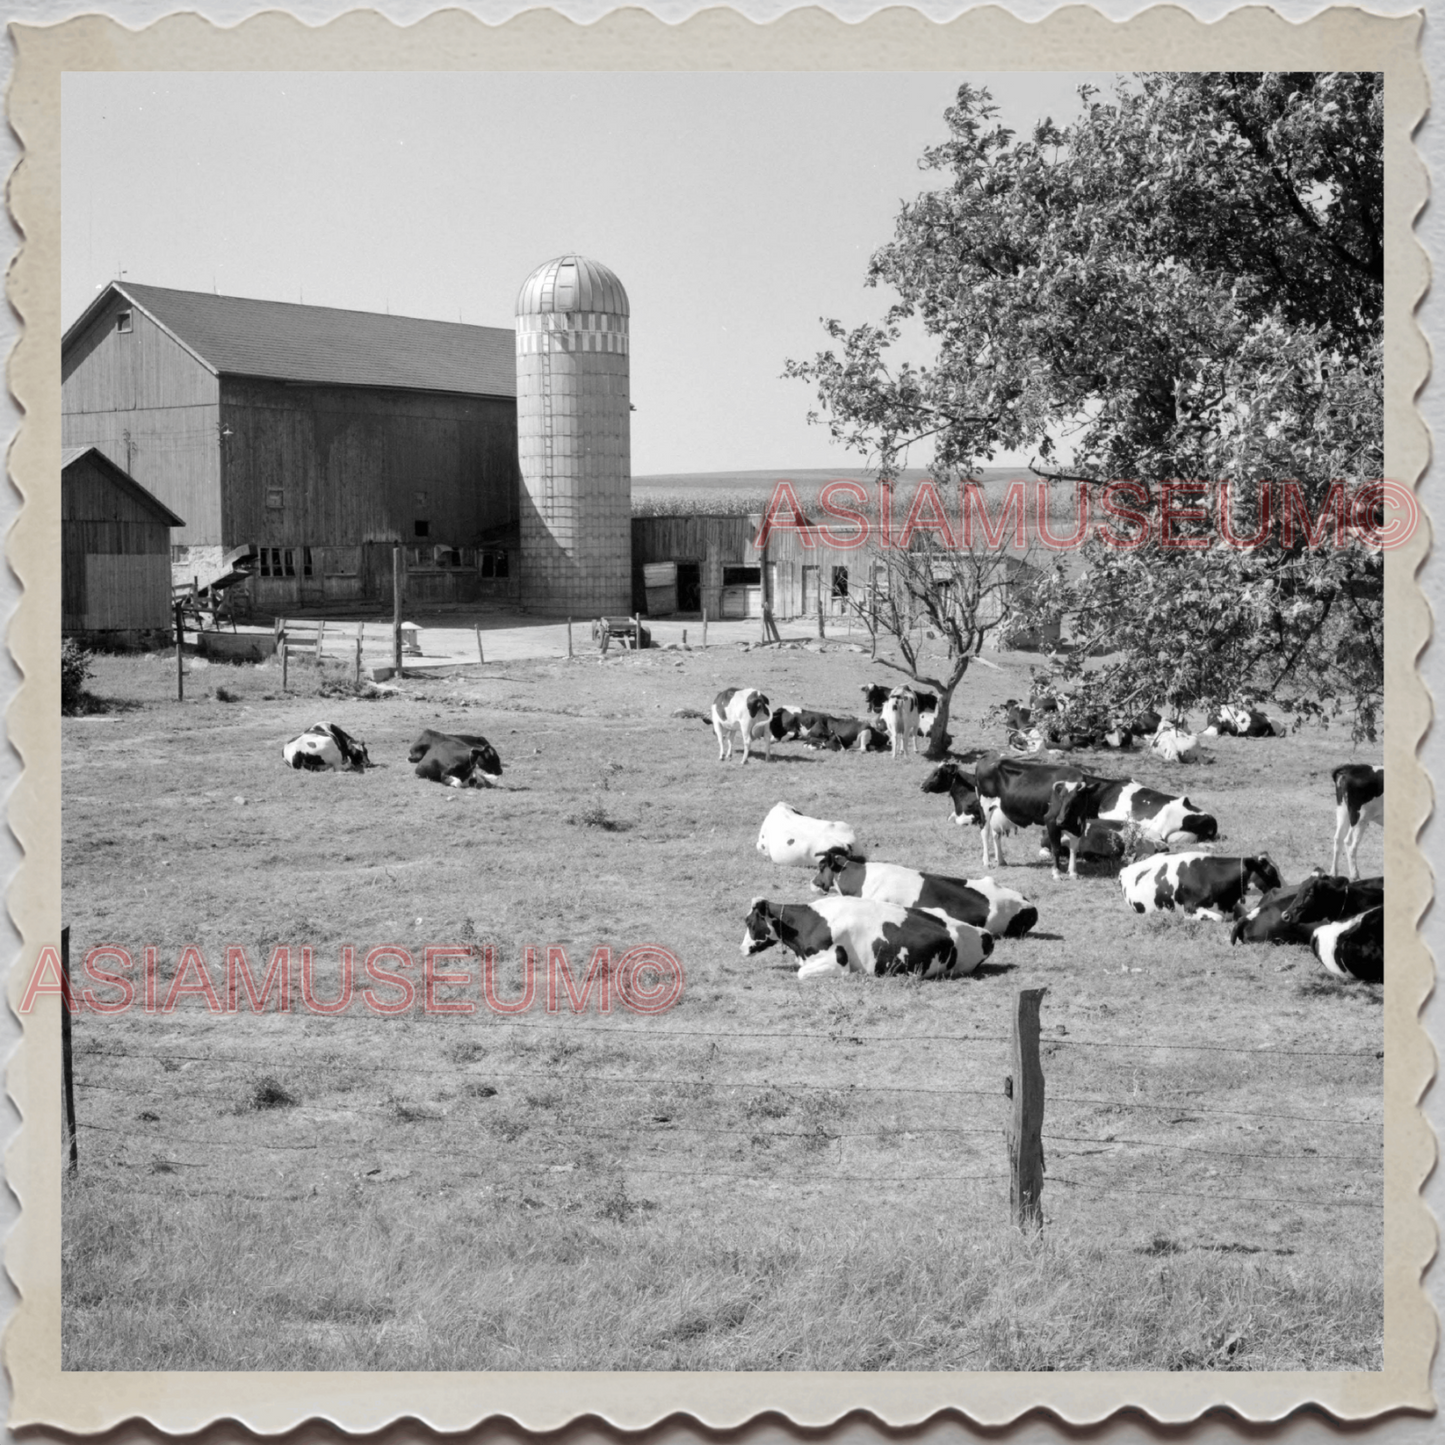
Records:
x=115, y=551
x=309, y=439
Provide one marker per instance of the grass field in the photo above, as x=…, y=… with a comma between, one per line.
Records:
x=770, y=1175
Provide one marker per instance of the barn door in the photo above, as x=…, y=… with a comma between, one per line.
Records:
x=810, y=590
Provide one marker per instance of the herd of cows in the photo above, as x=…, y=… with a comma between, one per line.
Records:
x=891, y=919
x=883, y=918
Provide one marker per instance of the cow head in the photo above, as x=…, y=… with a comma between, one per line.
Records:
x=1320, y=896
x=784, y=725
x=1263, y=871
x=944, y=778
x=486, y=761
x=1203, y=826
x=830, y=865
x=874, y=696
x=760, y=931
x=757, y=705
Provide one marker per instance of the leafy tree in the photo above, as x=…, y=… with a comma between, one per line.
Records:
x=1187, y=282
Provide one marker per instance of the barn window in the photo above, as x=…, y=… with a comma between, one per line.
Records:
x=840, y=583
x=494, y=564
x=124, y=321
x=447, y=556
x=421, y=529
x=306, y=561
x=278, y=562
x=742, y=576
x=275, y=498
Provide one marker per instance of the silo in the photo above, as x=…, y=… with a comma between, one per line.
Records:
x=574, y=439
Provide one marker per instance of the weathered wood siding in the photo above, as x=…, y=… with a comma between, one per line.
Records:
x=712, y=542
x=342, y=467
x=115, y=571
x=153, y=409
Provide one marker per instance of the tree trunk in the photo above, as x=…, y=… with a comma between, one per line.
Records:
x=936, y=751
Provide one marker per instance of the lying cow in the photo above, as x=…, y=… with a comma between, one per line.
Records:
x=1238, y=720
x=798, y=841
x=1205, y=884
x=833, y=936
x=1161, y=817
x=1359, y=801
x=744, y=711
x=1173, y=744
x=977, y=901
x=1353, y=947
x=460, y=760
x=1278, y=918
x=325, y=747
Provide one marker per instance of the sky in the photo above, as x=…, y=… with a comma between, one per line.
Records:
x=737, y=209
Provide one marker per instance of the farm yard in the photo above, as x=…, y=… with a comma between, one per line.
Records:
x=772, y=1174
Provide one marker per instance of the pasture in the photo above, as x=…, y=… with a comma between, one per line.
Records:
x=770, y=1175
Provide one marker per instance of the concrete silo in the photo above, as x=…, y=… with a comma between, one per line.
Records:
x=574, y=439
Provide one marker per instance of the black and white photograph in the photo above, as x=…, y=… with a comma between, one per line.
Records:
x=724, y=721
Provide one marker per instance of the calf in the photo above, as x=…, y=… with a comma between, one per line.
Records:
x=858, y=935
x=875, y=699
x=847, y=734
x=460, y=760
x=900, y=716
x=1353, y=947
x=1201, y=883
x=325, y=747
x=743, y=711
x=969, y=807
x=798, y=841
x=980, y=902
x=1359, y=801
x=1173, y=744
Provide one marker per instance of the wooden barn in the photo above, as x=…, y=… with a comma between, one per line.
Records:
x=115, y=551
x=312, y=439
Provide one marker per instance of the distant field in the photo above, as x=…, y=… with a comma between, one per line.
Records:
x=771, y=1175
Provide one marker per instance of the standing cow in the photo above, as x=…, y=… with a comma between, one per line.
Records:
x=1359, y=801
x=743, y=711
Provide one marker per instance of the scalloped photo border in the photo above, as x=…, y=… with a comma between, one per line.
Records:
x=1077, y=38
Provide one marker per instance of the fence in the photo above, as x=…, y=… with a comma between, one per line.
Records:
x=1325, y=1160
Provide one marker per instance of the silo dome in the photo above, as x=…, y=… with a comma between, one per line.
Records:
x=574, y=438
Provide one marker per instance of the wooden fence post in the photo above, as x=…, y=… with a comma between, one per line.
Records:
x=1024, y=1132
x=285, y=661
x=704, y=626
x=358, y=655
x=569, y=637
x=66, y=1053
x=821, y=633
x=180, y=665
x=396, y=610
x=637, y=632
x=477, y=628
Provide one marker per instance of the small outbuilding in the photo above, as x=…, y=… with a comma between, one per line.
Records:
x=115, y=551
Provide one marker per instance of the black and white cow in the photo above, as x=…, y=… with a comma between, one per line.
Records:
x=744, y=711
x=875, y=699
x=325, y=747
x=460, y=760
x=1202, y=883
x=1359, y=801
x=1067, y=826
x=1328, y=898
x=977, y=901
x=795, y=840
x=1160, y=817
x=1240, y=720
x=833, y=936
x=985, y=814
x=1353, y=947
x=847, y=734
x=900, y=717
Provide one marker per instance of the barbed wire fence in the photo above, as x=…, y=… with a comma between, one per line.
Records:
x=658, y=1146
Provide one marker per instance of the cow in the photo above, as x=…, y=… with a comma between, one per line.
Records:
x=1205, y=884
x=1264, y=923
x=875, y=698
x=858, y=935
x=1327, y=898
x=1241, y=720
x=1160, y=817
x=1173, y=744
x=900, y=717
x=325, y=747
x=1067, y=825
x=1359, y=801
x=795, y=840
x=968, y=807
x=847, y=734
x=460, y=760
x=743, y=711
x=1353, y=947
x=978, y=901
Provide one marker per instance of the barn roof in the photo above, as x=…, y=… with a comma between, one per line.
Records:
x=122, y=479
x=324, y=345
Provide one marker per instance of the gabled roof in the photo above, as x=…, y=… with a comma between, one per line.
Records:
x=323, y=345
x=122, y=478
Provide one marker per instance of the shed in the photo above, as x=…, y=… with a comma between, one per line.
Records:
x=115, y=549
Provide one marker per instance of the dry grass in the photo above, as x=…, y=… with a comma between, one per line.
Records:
x=769, y=1175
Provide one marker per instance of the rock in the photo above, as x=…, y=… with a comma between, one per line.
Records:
x=239, y=801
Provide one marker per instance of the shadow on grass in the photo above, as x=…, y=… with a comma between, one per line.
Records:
x=90, y=705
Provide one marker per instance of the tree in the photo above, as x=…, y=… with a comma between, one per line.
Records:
x=1186, y=283
x=932, y=592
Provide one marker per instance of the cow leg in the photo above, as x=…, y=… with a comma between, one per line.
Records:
x=1352, y=846
x=717, y=728
x=1342, y=829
